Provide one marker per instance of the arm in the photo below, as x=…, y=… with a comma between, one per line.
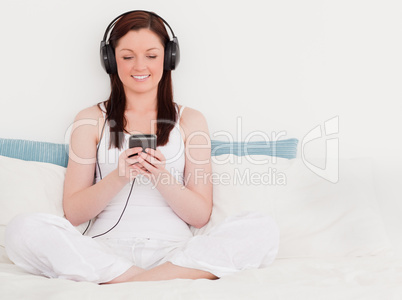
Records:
x=82, y=200
x=193, y=201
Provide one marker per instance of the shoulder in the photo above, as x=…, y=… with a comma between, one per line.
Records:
x=193, y=122
x=192, y=117
x=93, y=112
x=87, y=123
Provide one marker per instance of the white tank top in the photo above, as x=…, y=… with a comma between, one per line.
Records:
x=147, y=215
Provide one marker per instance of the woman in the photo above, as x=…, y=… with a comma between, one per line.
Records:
x=144, y=203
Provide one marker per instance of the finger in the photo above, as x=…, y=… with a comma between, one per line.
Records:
x=140, y=169
x=156, y=153
x=140, y=158
x=133, y=160
x=145, y=163
x=132, y=151
x=153, y=159
x=145, y=156
x=140, y=166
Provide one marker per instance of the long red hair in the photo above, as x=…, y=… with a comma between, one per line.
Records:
x=116, y=104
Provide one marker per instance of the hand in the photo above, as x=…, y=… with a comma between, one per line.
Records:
x=127, y=166
x=150, y=164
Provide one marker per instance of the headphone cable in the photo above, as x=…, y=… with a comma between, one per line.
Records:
x=121, y=215
x=100, y=175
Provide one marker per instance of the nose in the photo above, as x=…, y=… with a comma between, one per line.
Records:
x=140, y=64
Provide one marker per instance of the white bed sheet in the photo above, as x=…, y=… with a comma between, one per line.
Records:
x=371, y=277
x=377, y=277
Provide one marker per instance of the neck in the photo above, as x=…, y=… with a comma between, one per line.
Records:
x=142, y=102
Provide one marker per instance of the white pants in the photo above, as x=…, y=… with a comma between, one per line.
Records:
x=49, y=245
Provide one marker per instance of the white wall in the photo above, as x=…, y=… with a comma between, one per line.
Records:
x=276, y=65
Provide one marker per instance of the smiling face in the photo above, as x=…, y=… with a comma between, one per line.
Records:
x=139, y=57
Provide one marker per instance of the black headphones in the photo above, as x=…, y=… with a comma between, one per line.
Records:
x=107, y=55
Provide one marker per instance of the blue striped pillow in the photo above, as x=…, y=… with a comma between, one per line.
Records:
x=35, y=151
x=58, y=153
x=282, y=148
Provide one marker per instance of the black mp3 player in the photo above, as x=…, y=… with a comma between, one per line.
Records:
x=142, y=140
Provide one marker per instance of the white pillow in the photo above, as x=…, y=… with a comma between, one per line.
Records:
x=244, y=183
x=316, y=218
x=27, y=186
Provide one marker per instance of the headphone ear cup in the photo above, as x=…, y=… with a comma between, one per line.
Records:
x=172, y=55
x=108, y=59
x=167, y=65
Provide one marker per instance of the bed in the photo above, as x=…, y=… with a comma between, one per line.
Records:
x=336, y=240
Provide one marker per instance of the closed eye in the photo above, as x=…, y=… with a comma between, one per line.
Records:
x=127, y=57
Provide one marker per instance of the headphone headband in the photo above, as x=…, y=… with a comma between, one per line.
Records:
x=129, y=12
x=108, y=60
